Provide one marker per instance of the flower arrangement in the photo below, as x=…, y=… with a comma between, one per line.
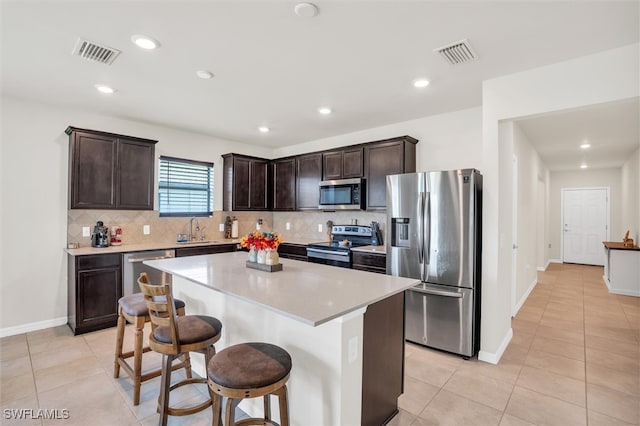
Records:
x=259, y=240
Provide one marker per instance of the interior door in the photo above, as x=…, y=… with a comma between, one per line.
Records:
x=584, y=225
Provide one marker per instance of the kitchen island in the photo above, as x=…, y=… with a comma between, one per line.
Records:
x=622, y=268
x=343, y=328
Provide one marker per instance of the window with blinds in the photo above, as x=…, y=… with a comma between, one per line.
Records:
x=185, y=188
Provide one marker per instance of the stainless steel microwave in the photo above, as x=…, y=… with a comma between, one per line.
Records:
x=342, y=194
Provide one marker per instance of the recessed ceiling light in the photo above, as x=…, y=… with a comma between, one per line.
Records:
x=145, y=42
x=324, y=110
x=583, y=166
x=585, y=145
x=205, y=75
x=420, y=83
x=306, y=10
x=263, y=129
x=102, y=88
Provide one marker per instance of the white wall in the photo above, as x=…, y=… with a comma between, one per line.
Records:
x=34, y=162
x=630, y=194
x=446, y=141
x=33, y=139
x=594, y=178
x=530, y=239
x=603, y=77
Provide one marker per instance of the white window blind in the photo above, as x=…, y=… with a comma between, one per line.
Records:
x=185, y=187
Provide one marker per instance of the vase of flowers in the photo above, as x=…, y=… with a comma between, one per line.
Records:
x=261, y=246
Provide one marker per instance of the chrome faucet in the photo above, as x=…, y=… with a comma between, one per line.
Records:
x=192, y=236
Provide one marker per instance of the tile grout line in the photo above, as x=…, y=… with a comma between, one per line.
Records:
x=33, y=375
x=584, y=337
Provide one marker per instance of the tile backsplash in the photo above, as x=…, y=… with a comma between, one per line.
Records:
x=303, y=225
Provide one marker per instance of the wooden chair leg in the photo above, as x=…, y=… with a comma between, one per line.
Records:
x=216, y=408
x=230, y=412
x=283, y=405
x=119, y=342
x=165, y=385
x=137, y=358
x=267, y=407
x=187, y=364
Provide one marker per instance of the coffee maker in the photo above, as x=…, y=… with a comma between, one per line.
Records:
x=100, y=236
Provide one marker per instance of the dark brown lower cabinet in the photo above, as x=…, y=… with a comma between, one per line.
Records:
x=293, y=251
x=371, y=262
x=195, y=251
x=382, y=360
x=94, y=287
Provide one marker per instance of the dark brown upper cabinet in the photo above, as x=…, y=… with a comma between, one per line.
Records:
x=308, y=177
x=386, y=157
x=343, y=164
x=110, y=171
x=245, y=182
x=284, y=184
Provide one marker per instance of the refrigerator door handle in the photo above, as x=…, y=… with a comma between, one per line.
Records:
x=421, y=231
x=438, y=292
x=427, y=234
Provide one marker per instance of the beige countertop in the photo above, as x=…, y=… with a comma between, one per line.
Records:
x=303, y=242
x=371, y=249
x=307, y=292
x=125, y=248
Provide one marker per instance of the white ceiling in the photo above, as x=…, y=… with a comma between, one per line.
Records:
x=275, y=68
x=612, y=130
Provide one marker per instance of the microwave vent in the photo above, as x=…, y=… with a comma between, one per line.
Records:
x=95, y=52
x=458, y=52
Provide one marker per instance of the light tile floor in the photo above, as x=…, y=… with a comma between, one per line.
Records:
x=574, y=359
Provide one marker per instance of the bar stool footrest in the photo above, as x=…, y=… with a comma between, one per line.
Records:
x=185, y=411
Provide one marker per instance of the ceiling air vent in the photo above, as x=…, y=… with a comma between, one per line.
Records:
x=458, y=52
x=95, y=52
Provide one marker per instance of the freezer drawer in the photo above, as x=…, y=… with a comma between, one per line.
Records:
x=441, y=317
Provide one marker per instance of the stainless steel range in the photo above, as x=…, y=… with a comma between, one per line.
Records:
x=337, y=251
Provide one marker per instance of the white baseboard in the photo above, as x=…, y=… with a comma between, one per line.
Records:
x=524, y=297
x=34, y=326
x=546, y=265
x=494, y=358
x=606, y=282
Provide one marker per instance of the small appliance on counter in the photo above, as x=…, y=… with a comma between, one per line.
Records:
x=376, y=234
x=100, y=236
x=234, y=227
x=116, y=235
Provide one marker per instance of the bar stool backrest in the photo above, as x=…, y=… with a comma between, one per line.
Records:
x=161, y=307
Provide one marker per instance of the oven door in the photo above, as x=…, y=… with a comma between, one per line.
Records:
x=325, y=256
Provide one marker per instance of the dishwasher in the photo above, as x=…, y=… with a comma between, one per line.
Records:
x=133, y=266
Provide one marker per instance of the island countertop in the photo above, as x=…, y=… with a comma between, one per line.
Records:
x=307, y=292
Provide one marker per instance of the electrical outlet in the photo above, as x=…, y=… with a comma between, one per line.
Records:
x=146, y=229
x=287, y=226
x=221, y=227
x=86, y=231
x=319, y=227
x=353, y=349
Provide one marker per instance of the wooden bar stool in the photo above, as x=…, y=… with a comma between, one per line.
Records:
x=249, y=370
x=133, y=308
x=173, y=336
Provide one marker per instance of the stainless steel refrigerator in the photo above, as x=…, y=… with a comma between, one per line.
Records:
x=434, y=234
